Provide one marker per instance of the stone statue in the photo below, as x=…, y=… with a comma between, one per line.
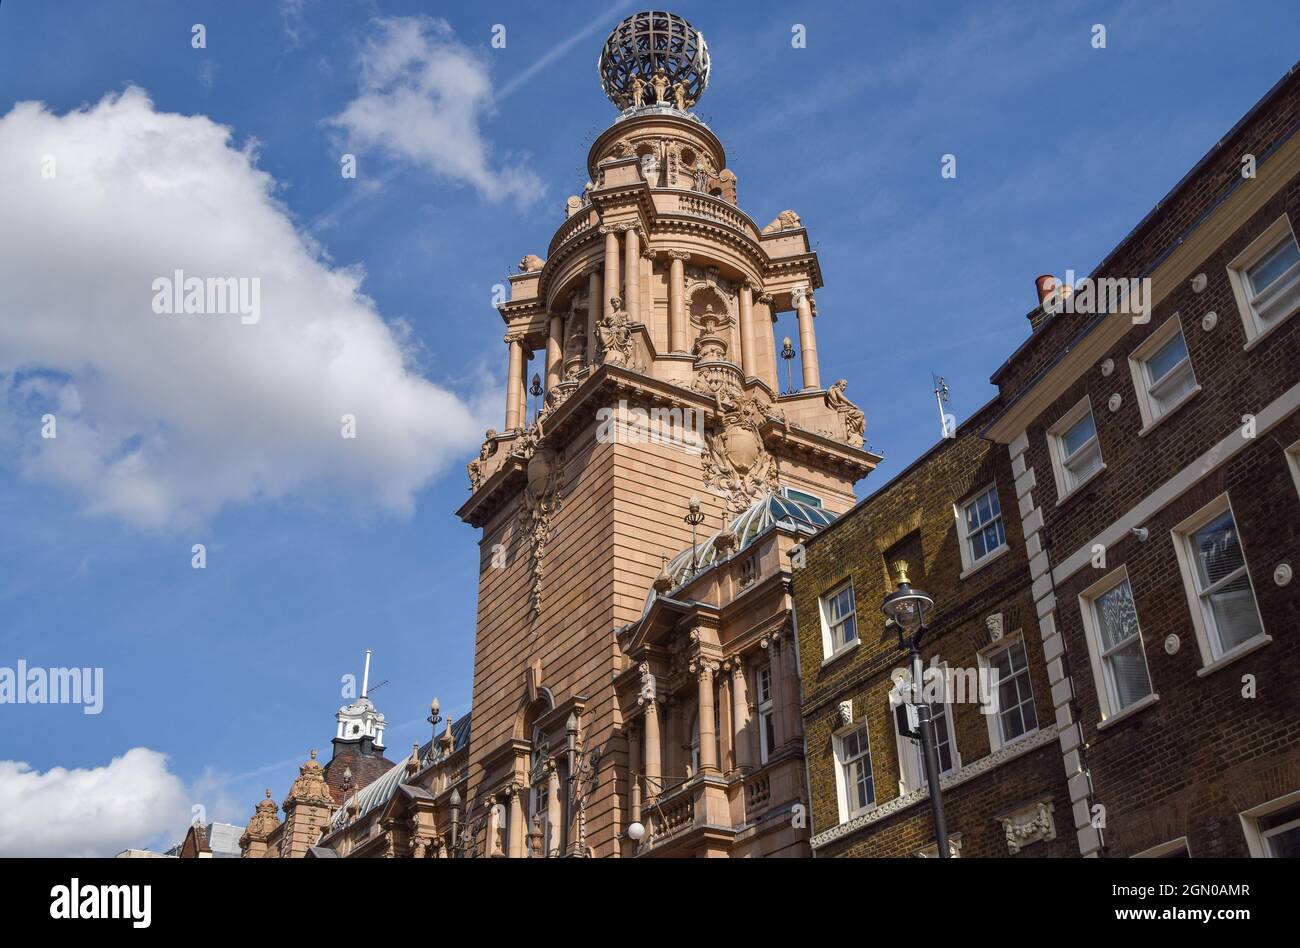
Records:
x=661, y=84
x=477, y=466
x=638, y=91
x=531, y=263
x=855, y=422
x=679, y=96
x=786, y=220
x=615, y=334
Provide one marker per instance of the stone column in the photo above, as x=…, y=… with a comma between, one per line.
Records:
x=653, y=766
x=807, y=338
x=595, y=291
x=554, y=812
x=634, y=772
x=514, y=383
x=611, y=270
x=632, y=274
x=792, y=686
x=765, y=324
x=747, y=355
x=740, y=714
x=555, y=351
x=773, y=646
x=708, y=747
x=517, y=833
x=725, y=731
x=677, y=301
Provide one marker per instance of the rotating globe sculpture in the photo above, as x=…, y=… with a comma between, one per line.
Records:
x=654, y=58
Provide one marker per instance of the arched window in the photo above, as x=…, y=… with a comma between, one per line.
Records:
x=539, y=797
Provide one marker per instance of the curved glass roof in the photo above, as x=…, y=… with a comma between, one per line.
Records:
x=770, y=509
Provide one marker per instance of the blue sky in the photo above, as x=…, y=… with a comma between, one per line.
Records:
x=233, y=671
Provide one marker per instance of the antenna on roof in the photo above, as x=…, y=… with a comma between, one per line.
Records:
x=947, y=423
x=365, y=677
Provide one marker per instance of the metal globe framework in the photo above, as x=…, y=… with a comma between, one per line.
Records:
x=643, y=44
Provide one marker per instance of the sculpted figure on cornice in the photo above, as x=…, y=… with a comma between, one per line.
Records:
x=855, y=422
x=531, y=263
x=478, y=466
x=786, y=220
x=615, y=334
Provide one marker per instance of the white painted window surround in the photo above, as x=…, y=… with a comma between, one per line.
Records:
x=854, y=781
x=911, y=760
x=1272, y=829
x=1115, y=647
x=1075, y=449
x=1017, y=714
x=1162, y=373
x=1220, y=594
x=839, y=620
x=980, y=527
x=1265, y=280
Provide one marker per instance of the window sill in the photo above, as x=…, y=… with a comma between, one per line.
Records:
x=1014, y=741
x=1129, y=712
x=1257, y=335
x=1101, y=469
x=1191, y=393
x=851, y=647
x=1239, y=651
x=985, y=561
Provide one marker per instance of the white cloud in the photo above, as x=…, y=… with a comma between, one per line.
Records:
x=422, y=96
x=163, y=420
x=99, y=811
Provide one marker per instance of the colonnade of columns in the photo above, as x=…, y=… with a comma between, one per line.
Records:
x=618, y=274
x=736, y=746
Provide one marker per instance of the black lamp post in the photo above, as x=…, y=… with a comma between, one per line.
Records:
x=907, y=608
x=536, y=390
x=694, y=517
x=787, y=353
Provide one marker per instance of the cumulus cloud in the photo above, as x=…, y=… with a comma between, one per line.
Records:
x=163, y=420
x=98, y=811
x=422, y=96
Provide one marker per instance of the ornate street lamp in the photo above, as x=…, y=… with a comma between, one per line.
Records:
x=906, y=608
x=787, y=353
x=535, y=390
x=694, y=517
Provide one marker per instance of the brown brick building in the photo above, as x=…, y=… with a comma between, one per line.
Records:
x=951, y=517
x=1152, y=507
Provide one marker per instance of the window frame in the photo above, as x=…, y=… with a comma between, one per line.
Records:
x=829, y=649
x=1166, y=850
x=847, y=810
x=1269, y=239
x=968, y=561
x=1107, y=695
x=1140, y=368
x=1056, y=447
x=993, y=719
x=911, y=766
x=1257, y=839
x=1213, y=654
x=1292, y=452
x=765, y=712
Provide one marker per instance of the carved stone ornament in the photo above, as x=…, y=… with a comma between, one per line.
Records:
x=615, y=334
x=310, y=786
x=786, y=220
x=736, y=462
x=1031, y=824
x=995, y=627
x=855, y=422
x=647, y=693
x=844, y=714
x=542, y=497
x=264, y=821
x=531, y=263
x=478, y=466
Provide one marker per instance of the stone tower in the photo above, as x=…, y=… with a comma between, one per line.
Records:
x=654, y=312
